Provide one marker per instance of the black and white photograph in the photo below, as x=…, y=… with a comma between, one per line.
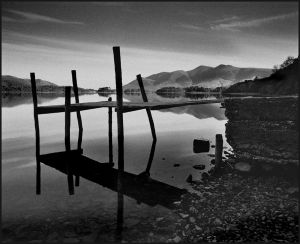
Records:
x=150, y=122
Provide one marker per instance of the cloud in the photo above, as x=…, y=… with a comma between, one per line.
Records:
x=237, y=25
x=225, y=19
x=191, y=27
x=32, y=17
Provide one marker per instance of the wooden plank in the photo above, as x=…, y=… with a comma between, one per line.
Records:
x=67, y=137
x=80, y=128
x=110, y=142
x=119, y=88
x=140, y=81
x=37, y=134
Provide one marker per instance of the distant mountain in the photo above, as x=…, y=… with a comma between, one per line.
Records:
x=12, y=84
x=282, y=82
x=204, y=76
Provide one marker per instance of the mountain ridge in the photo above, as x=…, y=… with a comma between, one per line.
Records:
x=205, y=76
x=13, y=84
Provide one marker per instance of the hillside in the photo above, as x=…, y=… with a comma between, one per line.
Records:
x=282, y=82
x=11, y=84
x=204, y=76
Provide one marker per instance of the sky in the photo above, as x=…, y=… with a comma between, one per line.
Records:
x=52, y=38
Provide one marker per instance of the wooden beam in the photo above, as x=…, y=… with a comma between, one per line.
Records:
x=37, y=134
x=140, y=81
x=79, y=120
x=119, y=88
x=67, y=136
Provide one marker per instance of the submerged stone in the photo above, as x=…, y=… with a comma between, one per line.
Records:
x=199, y=166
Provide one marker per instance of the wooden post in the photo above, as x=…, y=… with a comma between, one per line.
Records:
x=119, y=88
x=110, y=143
x=151, y=157
x=120, y=215
x=219, y=149
x=144, y=96
x=37, y=134
x=67, y=136
x=80, y=128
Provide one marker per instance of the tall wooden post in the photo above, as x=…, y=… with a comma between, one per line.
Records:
x=144, y=96
x=219, y=149
x=110, y=143
x=67, y=137
x=119, y=88
x=37, y=134
x=80, y=128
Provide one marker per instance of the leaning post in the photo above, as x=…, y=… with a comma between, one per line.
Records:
x=144, y=96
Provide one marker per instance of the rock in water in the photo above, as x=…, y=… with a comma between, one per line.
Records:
x=245, y=167
x=199, y=166
x=200, y=146
x=189, y=179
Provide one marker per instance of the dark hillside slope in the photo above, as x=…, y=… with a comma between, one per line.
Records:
x=282, y=82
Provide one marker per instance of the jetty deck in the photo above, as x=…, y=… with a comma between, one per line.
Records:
x=127, y=106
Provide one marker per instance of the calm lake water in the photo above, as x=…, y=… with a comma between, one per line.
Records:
x=176, y=129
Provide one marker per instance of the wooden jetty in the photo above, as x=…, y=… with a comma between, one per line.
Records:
x=120, y=108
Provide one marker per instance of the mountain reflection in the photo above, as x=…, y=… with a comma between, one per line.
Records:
x=202, y=111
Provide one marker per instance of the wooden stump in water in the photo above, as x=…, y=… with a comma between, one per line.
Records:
x=219, y=149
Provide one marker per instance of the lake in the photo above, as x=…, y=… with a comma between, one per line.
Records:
x=54, y=210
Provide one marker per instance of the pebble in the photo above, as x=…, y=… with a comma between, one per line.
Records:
x=183, y=215
x=292, y=190
x=177, y=239
x=192, y=219
x=70, y=240
x=241, y=166
x=218, y=221
x=160, y=219
x=198, y=228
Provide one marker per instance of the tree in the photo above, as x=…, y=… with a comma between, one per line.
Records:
x=275, y=68
x=289, y=60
